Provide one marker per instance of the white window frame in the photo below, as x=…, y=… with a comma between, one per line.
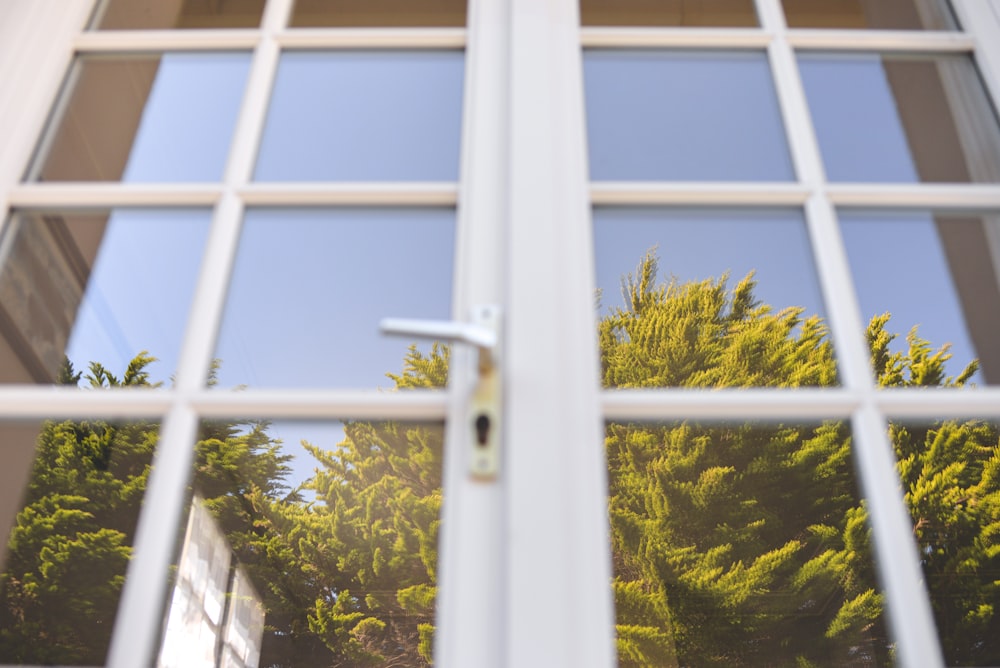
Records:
x=524, y=561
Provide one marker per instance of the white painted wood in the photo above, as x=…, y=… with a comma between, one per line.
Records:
x=715, y=194
x=799, y=403
x=44, y=402
x=686, y=38
x=373, y=38
x=35, y=52
x=880, y=40
x=559, y=610
x=921, y=196
x=141, y=608
x=471, y=601
x=65, y=194
x=726, y=404
x=132, y=41
x=349, y=194
x=910, y=620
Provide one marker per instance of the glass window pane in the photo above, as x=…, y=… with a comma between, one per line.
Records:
x=310, y=287
x=950, y=484
x=375, y=13
x=741, y=544
x=68, y=521
x=901, y=118
x=708, y=298
x=939, y=286
x=96, y=288
x=875, y=14
x=722, y=13
x=688, y=116
x=309, y=544
x=364, y=116
x=146, y=118
x=166, y=14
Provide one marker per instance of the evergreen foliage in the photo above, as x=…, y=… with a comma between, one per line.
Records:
x=732, y=543
x=746, y=544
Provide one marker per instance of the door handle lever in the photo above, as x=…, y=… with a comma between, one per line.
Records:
x=483, y=420
x=479, y=335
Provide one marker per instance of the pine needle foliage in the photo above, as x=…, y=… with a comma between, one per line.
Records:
x=733, y=544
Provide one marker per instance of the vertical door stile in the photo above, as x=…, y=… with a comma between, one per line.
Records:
x=559, y=607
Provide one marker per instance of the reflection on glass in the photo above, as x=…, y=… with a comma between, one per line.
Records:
x=708, y=298
x=310, y=287
x=165, y=14
x=321, y=537
x=145, y=118
x=949, y=472
x=901, y=118
x=876, y=14
x=68, y=523
x=364, y=116
x=683, y=115
x=667, y=13
x=741, y=545
x=216, y=617
x=376, y=13
x=939, y=285
x=96, y=289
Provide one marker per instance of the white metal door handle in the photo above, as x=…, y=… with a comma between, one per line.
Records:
x=484, y=414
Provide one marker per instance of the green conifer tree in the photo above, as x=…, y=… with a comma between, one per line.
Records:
x=732, y=543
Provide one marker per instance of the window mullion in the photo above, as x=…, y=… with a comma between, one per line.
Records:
x=559, y=610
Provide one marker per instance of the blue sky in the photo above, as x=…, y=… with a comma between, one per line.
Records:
x=310, y=285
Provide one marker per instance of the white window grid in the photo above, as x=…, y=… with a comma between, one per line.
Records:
x=498, y=191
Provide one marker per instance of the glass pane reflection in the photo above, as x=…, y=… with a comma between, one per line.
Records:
x=683, y=116
x=939, y=285
x=96, y=288
x=309, y=544
x=364, y=116
x=374, y=13
x=741, y=545
x=708, y=298
x=165, y=14
x=70, y=518
x=902, y=118
x=668, y=13
x=146, y=118
x=310, y=287
x=949, y=472
x=875, y=14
